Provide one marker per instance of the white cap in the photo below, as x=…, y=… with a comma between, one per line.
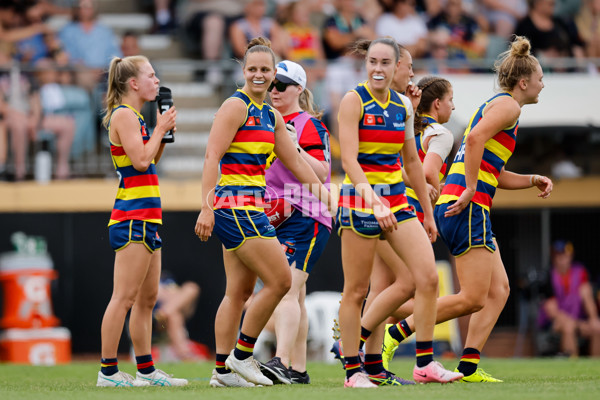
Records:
x=291, y=72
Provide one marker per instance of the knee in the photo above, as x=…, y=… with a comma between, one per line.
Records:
x=355, y=294
x=427, y=281
x=501, y=291
x=147, y=299
x=473, y=303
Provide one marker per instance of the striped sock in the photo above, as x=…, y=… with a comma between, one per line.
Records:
x=109, y=366
x=469, y=361
x=352, y=366
x=244, y=347
x=364, y=335
x=400, y=331
x=145, y=365
x=220, y=364
x=373, y=364
x=424, y=353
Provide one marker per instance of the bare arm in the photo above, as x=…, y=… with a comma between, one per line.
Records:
x=587, y=297
x=124, y=130
x=349, y=118
x=228, y=119
x=499, y=115
x=512, y=181
x=290, y=157
x=414, y=169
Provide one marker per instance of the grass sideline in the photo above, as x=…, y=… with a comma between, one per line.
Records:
x=523, y=379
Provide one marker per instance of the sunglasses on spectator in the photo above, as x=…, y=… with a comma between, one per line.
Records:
x=280, y=86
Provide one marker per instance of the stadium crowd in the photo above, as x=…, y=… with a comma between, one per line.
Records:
x=62, y=69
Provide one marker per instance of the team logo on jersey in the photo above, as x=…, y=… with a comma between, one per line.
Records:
x=144, y=133
x=373, y=120
x=253, y=121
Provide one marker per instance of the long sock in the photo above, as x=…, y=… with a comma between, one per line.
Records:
x=220, y=364
x=352, y=365
x=364, y=335
x=145, y=365
x=400, y=331
x=244, y=347
x=424, y=353
x=109, y=366
x=469, y=361
x=373, y=364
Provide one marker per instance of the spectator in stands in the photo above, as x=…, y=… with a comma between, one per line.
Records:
x=456, y=33
x=344, y=70
x=405, y=26
x=164, y=20
x=550, y=36
x=175, y=304
x=130, y=45
x=207, y=26
x=502, y=15
x=85, y=33
x=304, y=41
x=253, y=24
x=15, y=31
x=588, y=25
x=569, y=308
x=21, y=106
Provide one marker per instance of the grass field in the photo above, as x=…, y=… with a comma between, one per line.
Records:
x=562, y=379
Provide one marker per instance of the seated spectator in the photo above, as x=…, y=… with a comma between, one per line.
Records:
x=86, y=33
x=253, y=24
x=304, y=41
x=175, y=304
x=344, y=71
x=24, y=116
x=405, y=26
x=130, y=45
x=550, y=36
x=569, y=308
x=207, y=25
x=502, y=15
x=464, y=39
x=25, y=36
x=588, y=25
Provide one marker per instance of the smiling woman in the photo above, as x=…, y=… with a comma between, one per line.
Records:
x=245, y=132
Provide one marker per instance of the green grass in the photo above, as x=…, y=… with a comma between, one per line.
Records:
x=523, y=379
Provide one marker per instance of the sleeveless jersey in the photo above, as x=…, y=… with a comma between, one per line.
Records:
x=284, y=185
x=496, y=153
x=138, y=197
x=242, y=183
x=419, y=137
x=381, y=133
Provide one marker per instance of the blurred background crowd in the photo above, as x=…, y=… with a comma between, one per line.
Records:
x=54, y=53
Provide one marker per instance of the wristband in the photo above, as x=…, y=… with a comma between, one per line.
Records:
x=532, y=179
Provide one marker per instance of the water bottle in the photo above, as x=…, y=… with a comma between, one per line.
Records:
x=43, y=164
x=165, y=101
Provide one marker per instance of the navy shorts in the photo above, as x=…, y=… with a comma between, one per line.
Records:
x=233, y=226
x=303, y=240
x=134, y=231
x=364, y=224
x=471, y=228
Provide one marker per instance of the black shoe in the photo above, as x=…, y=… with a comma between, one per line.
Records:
x=276, y=371
x=299, y=377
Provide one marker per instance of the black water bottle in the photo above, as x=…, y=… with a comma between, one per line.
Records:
x=165, y=101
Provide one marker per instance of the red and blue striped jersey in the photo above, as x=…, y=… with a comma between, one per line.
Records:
x=242, y=184
x=496, y=153
x=138, y=196
x=419, y=137
x=381, y=132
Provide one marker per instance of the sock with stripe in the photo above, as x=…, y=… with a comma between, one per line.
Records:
x=244, y=347
x=424, y=353
x=145, y=365
x=352, y=366
x=469, y=361
x=400, y=331
x=373, y=364
x=109, y=366
x=364, y=335
x=220, y=364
